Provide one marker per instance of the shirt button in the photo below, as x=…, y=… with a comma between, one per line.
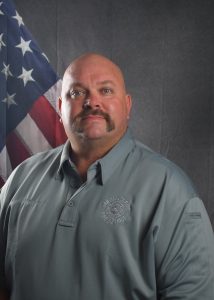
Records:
x=70, y=203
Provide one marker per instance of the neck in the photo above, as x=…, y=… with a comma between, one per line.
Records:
x=85, y=152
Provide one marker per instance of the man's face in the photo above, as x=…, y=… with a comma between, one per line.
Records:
x=94, y=103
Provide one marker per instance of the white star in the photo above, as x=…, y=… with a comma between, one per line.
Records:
x=1, y=41
x=1, y=12
x=45, y=56
x=10, y=100
x=6, y=70
x=19, y=19
x=24, y=46
x=26, y=76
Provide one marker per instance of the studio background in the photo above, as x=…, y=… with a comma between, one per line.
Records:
x=166, y=51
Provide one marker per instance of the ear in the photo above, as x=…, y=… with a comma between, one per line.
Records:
x=59, y=104
x=128, y=104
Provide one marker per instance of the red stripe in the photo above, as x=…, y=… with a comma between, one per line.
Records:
x=48, y=122
x=17, y=151
x=1, y=182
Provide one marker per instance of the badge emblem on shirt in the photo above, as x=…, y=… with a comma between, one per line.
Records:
x=115, y=210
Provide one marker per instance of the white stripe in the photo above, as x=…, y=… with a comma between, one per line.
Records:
x=32, y=136
x=5, y=165
x=53, y=94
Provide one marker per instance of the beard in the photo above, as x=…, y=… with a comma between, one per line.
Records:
x=78, y=126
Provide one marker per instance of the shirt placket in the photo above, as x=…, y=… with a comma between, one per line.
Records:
x=68, y=217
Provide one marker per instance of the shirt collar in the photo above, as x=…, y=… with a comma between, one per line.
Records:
x=107, y=164
x=64, y=157
x=114, y=157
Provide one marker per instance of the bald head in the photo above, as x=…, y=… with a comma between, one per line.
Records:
x=91, y=61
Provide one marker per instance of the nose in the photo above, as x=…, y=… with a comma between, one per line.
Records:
x=91, y=102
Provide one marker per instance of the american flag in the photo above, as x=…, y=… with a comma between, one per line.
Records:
x=29, y=87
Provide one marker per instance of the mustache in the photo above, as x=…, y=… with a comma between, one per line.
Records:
x=110, y=125
x=95, y=112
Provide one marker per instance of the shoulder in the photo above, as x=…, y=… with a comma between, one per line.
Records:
x=33, y=167
x=41, y=158
x=160, y=169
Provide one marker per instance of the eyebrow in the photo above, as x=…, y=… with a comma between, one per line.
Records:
x=106, y=82
x=76, y=84
x=80, y=84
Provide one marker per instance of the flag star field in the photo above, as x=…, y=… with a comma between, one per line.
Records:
x=29, y=87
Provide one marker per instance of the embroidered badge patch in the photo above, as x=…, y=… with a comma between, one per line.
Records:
x=116, y=210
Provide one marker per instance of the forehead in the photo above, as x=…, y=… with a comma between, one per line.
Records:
x=93, y=72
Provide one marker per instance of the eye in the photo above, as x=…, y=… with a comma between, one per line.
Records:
x=107, y=91
x=77, y=93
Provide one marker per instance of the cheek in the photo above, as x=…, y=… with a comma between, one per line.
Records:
x=69, y=111
x=65, y=112
x=117, y=111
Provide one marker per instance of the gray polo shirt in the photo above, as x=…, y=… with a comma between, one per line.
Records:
x=135, y=230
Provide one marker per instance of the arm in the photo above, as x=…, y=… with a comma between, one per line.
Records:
x=187, y=266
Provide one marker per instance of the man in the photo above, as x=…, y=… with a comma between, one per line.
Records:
x=102, y=217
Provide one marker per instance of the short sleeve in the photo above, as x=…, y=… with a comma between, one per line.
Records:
x=187, y=268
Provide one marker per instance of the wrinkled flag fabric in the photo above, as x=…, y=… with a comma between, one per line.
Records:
x=29, y=88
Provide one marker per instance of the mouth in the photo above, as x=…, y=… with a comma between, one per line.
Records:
x=93, y=117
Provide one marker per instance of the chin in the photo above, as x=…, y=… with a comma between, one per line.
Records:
x=95, y=136
x=95, y=133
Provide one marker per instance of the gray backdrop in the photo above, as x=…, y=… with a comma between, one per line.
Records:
x=166, y=50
